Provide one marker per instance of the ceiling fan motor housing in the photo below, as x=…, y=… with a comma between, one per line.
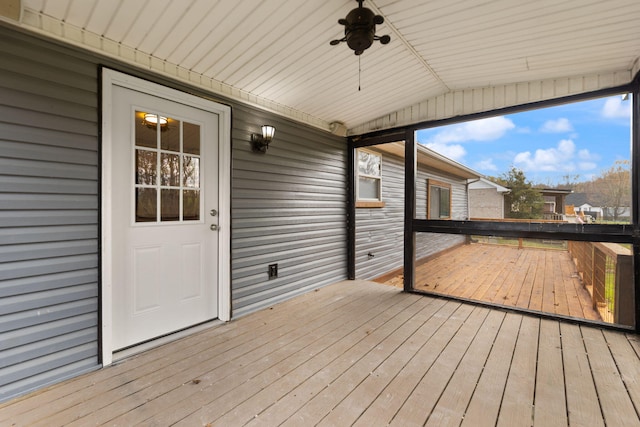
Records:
x=360, y=29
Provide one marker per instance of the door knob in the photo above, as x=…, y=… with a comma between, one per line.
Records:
x=213, y=227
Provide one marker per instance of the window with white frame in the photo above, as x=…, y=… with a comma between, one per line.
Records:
x=369, y=179
x=438, y=200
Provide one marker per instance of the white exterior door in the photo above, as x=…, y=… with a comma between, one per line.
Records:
x=164, y=216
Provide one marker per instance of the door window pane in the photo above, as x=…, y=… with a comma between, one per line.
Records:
x=191, y=138
x=170, y=205
x=145, y=132
x=170, y=135
x=191, y=205
x=146, y=203
x=191, y=171
x=170, y=170
x=146, y=167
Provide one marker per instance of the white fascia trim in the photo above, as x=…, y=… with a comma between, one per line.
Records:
x=464, y=102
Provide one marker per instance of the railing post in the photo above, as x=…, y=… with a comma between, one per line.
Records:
x=624, y=303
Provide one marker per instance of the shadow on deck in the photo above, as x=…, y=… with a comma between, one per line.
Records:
x=531, y=279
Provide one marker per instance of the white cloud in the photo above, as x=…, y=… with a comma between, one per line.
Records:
x=453, y=151
x=561, y=158
x=616, y=108
x=584, y=154
x=587, y=166
x=478, y=130
x=486, y=165
x=560, y=125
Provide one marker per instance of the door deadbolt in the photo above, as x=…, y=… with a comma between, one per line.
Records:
x=213, y=212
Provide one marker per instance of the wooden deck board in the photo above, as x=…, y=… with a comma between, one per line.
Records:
x=526, y=287
x=424, y=397
x=451, y=407
x=533, y=279
x=101, y=407
x=537, y=292
x=583, y=407
x=364, y=354
x=548, y=287
x=269, y=361
x=616, y=404
x=485, y=403
x=384, y=407
x=626, y=357
x=287, y=406
x=322, y=404
x=517, y=401
x=549, y=403
x=230, y=335
x=379, y=332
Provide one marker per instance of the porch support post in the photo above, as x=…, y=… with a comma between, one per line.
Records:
x=635, y=197
x=351, y=210
x=410, y=167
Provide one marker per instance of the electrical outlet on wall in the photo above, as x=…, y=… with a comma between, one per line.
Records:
x=273, y=271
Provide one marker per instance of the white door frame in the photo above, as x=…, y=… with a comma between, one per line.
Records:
x=112, y=78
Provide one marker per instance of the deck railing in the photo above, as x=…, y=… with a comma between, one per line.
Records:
x=607, y=273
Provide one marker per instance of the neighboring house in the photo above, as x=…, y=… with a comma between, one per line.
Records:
x=442, y=194
x=486, y=199
x=582, y=206
x=554, y=202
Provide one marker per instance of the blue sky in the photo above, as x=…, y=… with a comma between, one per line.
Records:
x=579, y=139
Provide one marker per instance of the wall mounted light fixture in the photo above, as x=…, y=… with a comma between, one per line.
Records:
x=260, y=143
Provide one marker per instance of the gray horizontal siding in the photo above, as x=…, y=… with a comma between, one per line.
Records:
x=48, y=215
x=289, y=208
x=380, y=231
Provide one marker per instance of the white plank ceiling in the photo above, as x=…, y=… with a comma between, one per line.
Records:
x=276, y=53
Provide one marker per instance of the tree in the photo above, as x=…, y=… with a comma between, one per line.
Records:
x=569, y=182
x=523, y=201
x=614, y=189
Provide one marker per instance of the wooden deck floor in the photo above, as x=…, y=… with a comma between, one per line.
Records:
x=533, y=279
x=365, y=354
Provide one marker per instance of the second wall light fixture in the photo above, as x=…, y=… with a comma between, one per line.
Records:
x=260, y=142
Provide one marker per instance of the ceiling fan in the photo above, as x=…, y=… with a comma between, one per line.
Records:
x=360, y=29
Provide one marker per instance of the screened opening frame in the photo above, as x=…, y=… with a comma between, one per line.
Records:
x=627, y=234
